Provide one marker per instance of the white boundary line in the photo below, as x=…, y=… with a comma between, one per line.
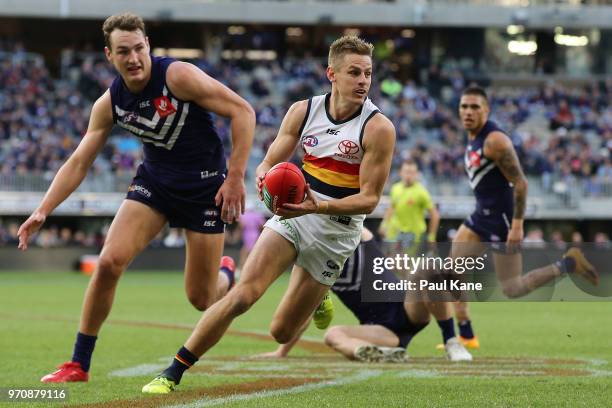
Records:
x=206, y=402
x=137, y=371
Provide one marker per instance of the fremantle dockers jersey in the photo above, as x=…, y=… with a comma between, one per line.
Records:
x=332, y=149
x=491, y=188
x=176, y=134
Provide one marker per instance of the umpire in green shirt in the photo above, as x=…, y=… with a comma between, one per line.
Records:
x=404, y=222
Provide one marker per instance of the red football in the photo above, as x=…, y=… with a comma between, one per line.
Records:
x=284, y=183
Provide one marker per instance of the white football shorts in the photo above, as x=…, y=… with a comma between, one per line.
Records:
x=323, y=242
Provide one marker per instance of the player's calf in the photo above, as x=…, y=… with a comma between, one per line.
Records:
x=515, y=288
x=333, y=336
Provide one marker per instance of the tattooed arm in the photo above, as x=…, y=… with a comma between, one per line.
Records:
x=499, y=148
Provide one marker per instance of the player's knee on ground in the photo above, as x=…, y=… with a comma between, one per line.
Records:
x=111, y=266
x=281, y=332
x=201, y=300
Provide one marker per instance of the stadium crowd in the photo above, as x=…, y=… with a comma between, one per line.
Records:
x=54, y=236
x=561, y=133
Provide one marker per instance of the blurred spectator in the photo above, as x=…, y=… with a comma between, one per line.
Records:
x=556, y=238
x=577, y=238
x=65, y=238
x=563, y=117
x=602, y=240
x=450, y=235
x=535, y=238
x=11, y=234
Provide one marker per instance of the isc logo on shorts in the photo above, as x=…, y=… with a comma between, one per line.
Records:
x=210, y=223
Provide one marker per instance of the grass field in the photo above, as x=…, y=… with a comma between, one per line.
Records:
x=533, y=354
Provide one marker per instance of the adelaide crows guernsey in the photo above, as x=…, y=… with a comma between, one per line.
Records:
x=332, y=149
x=492, y=190
x=178, y=136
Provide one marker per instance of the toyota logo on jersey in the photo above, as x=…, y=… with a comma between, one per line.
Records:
x=348, y=147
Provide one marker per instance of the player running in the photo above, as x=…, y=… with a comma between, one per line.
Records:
x=348, y=147
x=500, y=188
x=183, y=180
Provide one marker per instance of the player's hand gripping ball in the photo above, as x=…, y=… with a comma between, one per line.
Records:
x=283, y=183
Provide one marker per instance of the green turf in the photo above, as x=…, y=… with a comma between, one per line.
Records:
x=39, y=316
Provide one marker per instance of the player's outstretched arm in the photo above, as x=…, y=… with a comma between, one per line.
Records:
x=189, y=83
x=499, y=148
x=74, y=170
x=378, y=145
x=285, y=142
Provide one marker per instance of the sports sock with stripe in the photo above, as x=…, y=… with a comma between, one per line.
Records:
x=182, y=361
x=448, y=329
x=83, y=349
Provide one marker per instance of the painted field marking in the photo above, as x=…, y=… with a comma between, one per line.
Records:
x=415, y=367
x=137, y=371
x=206, y=402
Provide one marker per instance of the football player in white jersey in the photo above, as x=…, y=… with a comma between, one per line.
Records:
x=347, y=173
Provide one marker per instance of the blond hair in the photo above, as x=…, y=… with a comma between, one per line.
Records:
x=125, y=22
x=348, y=44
